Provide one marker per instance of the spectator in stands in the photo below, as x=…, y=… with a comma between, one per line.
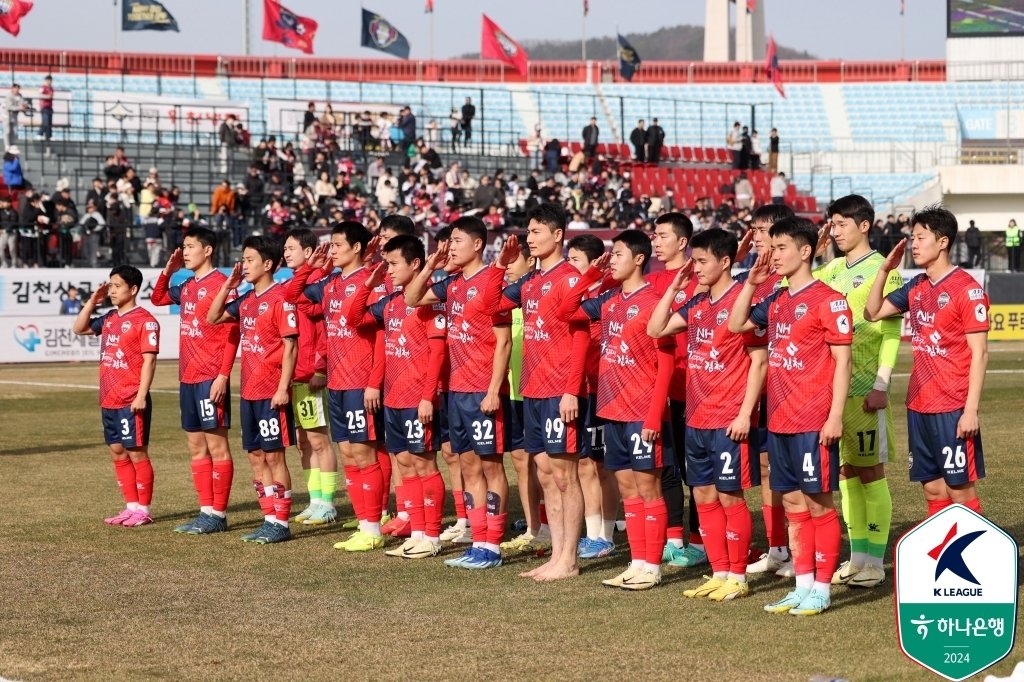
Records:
x=578, y=223
x=34, y=224
x=972, y=238
x=223, y=196
x=93, y=223
x=744, y=191
x=455, y=127
x=734, y=141
x=131, y=185
x=773, y=151
x=119, y=218
x=777, y=188
x=468, y=114
x=8, y=233
x=228, y=140
x=655, y=140
x=638, y=138
x=14, y=104
x=745, y=148
x=1013, y=246
x=72, y=304
x=755, y=151
x=324, y=189
x=552, y=153
x=62, y=229
x=375, y=171
x=254, y=193
x=112, y=170
x=14, y=177
x=486, y=194
x=407, y=123
x=382, y=132
x=63, y=198
x=121, y=159
x=46, y=109
x=96, y=195
x=309, y=117
x=590, y=136
x=386, y=192
x=430, y=158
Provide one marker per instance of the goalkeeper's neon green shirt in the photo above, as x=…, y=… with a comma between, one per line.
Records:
x=515, y=363
x=874, y=343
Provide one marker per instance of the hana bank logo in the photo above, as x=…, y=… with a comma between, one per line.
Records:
x=27, y=336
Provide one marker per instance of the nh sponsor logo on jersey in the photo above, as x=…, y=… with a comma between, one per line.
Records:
x=615, y=328
x=395, y=324
x=532, y=306
x=248, y=323
x=783, y=329
x=926, y=319
x=189, y=308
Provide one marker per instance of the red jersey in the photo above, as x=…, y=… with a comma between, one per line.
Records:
x=205, y=350
x=719, y=363
x=547, y=340
x=407, y=335
x=942, y=314
x=312, y=342
x=660, y=281
x=471, y=304
x=123, y=340
x=802, y=325
x=593, y=361
x=265, y=319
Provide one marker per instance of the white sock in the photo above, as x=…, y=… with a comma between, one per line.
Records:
x=779, y=553
x=269, y=518
x=859, y=558
x=132, y=506
x=373, y=528
x=417, y=535
x=544, y=529
x=280, y=522
x=805, y=581
x=219, y=514
x=478, y=545
x=144, y=508
x=738, y=577
x=676, y=542
x=206, y=510
x=362, y=525
x=638, y=563
x=652, y=568
x=608, y=529
x=435, y=541
x=404, y=515
x=492, y=547
x=593, y=523
x=875, y=561
x=721, y=575
x=824, y=588
x=698, y=546
x=620, y=525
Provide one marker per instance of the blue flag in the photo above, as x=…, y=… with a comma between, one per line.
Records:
x=629, y=60
x=146, y=15
x=380, y=34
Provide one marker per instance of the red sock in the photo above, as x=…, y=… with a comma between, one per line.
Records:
x=223, y=475
x=738, y=529
x=266, y=503
x=202, y=479
x=636, y=532
x=402, y=501
x=803, y=552
x=775, y=525
x=460, y=503
x=974, y=505
x=674, y=533
x=695, y=538
x=125, y=473
x=826, y=545
x=384, y=460
x=712, y=529
x=496, y=528
x=282, y=502
x=478, y=524
x=355, y=490
x=433, y=504
x=655, y=527
x=935, y=506
x=412, y=492
x=371, y=479
x=542, y=512
x=144, y=481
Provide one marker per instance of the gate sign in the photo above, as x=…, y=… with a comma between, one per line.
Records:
x=956, y=593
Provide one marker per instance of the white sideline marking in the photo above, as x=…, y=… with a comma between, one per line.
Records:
x=85, y=386
x=990, y=371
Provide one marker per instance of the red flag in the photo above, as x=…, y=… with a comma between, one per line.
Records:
x=586, y=7
x=429, y=9
x=11, y=13
x=751, y=6
x=771, y=67
x=495, y=44
x=281, y=25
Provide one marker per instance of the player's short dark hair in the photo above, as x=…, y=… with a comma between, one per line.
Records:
x=203, y=235
x=400, y=224
x=472, y=226
x=771, y=213
x=802, y=231
x=304, y=236
x=638, y=242
x=549, y=214
x=854, y=207
x=354, y=233
x=937, y=220
x=720, y=243
x=589, y=244
x=131, y=275
x=444, y=234
x=410, y=247
x=681, y=225
x=268, y=248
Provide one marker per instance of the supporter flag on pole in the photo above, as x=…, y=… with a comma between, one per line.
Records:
x=586, y=7
x=380, y=34
x=629, y=60
x=281, y=25
x=146, y=15
x=771, y=67
x=903, y=7
x=495, y=44
x=429, y=8
x=11, y=12
x=751, y=6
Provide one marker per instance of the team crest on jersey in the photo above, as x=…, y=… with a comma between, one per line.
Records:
x=573, y=281
x=800, y=311
x=777, y=285
x=350, y=289
x=264, y=307
x=126, y=326
x=942, y=300
x=858, y=280
x=201, y=294
x=760, y=332
x=545, y=289
x=723, y=315
x=680, y=297
x=632, y=312
x=471, y=294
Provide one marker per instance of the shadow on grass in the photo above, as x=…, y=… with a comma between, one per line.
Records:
x=48, y=449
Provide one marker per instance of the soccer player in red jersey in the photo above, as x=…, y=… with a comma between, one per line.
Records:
x=672, y=234
x=949, y=324
x=479, y=344
x=809, y=334
x=723, y=388
x=269, y=328
x=206, y=354
x=632, y=398
x=354, y=371
x=552, y=387
x=414, y=356
x=308, y=397
x=129, y=341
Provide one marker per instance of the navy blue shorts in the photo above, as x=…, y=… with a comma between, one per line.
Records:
x=624, y=449
x=403, y=432
x=544, y=430
x=441, y=417
x=936, y=452
x=762, y=424
x=712, y=458
x=130, y=429
x=198, y=412
x=265, y=427
x=515, y=438
x=593, y=442
x=471, y=430
x=349, y=420
x=798, y=461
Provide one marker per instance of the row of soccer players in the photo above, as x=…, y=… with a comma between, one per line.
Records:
x=602, y=344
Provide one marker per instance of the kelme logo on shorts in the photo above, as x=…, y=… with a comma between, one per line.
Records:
x=956, y=593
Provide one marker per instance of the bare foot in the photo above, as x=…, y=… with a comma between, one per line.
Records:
x=536, y=571
x=557, y=574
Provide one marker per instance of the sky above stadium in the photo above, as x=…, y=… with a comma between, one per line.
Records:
x=830, y=29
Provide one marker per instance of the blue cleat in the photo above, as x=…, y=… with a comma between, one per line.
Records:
x=190, y=525
x=597, y=549
x=689, y=557
x=459, y=560
x=274, y=532
x=583, y=546
x=250, y=537
x=208, y=523
x=484, y=558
